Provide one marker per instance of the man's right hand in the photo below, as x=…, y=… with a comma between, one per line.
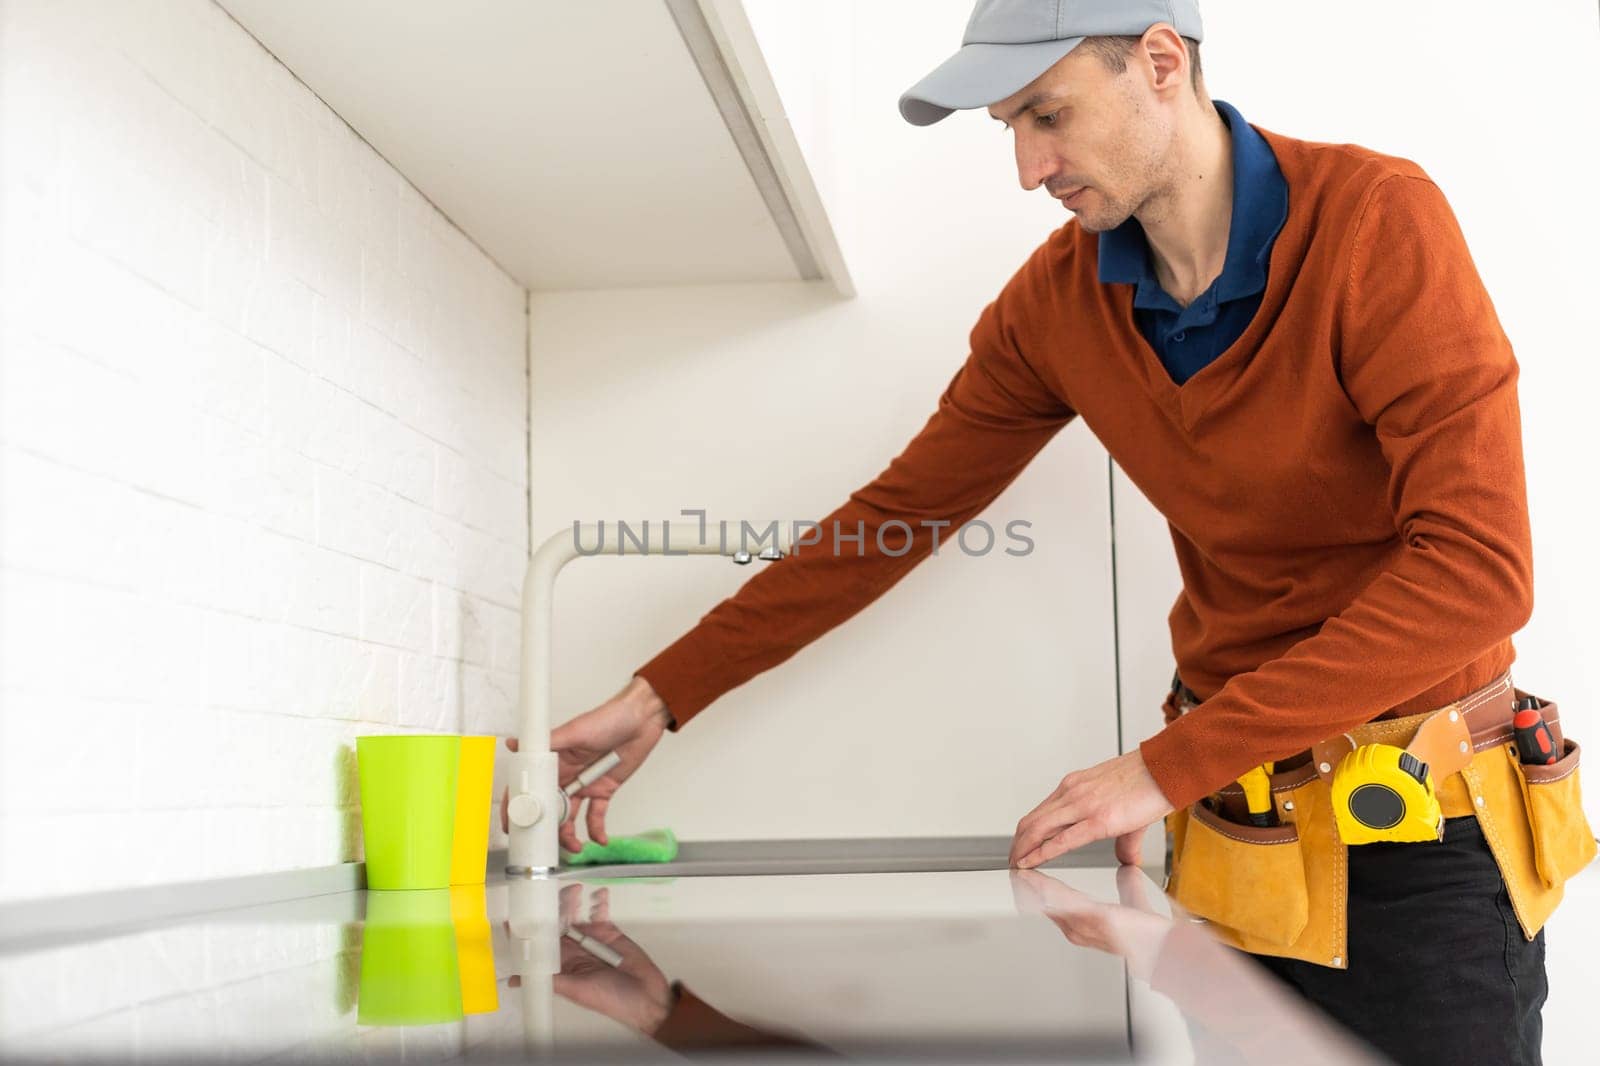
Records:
x=629, y=723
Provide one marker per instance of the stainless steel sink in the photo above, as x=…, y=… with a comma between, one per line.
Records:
x=861, y=855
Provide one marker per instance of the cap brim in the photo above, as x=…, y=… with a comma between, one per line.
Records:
x=978, y=75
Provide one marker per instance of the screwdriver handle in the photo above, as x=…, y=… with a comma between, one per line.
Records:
x=1535, y=744
x=1258, y=796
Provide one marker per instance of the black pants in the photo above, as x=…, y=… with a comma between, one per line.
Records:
x=1439, y=971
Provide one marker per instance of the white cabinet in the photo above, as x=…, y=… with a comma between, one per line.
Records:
x=581, y=145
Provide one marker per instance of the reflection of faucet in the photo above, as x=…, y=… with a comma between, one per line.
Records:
x=537, y=805
x=535, y=928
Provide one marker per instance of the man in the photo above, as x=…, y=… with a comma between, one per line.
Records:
x=1286, y=345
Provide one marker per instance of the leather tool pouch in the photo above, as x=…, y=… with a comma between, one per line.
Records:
x=1533, y=818
x=1282, y=891
x=1563, y=843
x=1264, y=893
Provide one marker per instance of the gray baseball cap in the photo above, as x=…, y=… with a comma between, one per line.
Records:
x=1008, y=43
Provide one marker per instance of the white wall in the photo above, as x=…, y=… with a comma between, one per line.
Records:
x=957, y=701
x=1506, y=127
x=263, y=475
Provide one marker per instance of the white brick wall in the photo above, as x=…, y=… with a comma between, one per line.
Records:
x=263, y=418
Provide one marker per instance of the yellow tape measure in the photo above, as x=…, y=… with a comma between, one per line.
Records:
x=1384, y=793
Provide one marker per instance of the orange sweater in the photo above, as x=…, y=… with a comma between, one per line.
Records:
x=1344, y=485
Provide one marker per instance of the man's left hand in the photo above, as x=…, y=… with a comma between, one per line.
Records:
x=1118, y=798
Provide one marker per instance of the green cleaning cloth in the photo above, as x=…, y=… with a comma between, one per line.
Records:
x=657, y=845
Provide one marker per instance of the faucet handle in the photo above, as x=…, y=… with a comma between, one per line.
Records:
x=591, y=773
x=586, y=777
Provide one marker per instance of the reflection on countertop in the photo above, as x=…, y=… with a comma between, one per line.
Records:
x=1077, y=964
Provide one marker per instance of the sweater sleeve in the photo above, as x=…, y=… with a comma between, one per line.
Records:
x=992, y=418
x=695, y=1025
x=1423, y=358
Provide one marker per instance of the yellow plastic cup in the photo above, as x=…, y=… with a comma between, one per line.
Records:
x=469, y=910
x=409, y=969
x=474, y=799
x=408, y=804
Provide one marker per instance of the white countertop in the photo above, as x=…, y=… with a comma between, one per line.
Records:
x=1082, y=964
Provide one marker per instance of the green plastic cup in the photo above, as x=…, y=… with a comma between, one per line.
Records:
x=410, y=973
x=408, y=809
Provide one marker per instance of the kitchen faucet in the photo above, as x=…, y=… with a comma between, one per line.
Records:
x=538, y=805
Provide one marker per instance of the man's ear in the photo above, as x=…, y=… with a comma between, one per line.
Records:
x=1166, y=56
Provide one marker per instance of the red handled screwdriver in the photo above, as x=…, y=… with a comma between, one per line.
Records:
x=1534, y=742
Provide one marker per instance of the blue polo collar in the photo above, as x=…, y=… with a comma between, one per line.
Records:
x=1260, y=206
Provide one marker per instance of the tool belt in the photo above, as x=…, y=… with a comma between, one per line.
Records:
x=1281, y=890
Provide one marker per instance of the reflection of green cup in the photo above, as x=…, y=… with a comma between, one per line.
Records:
x=409, y=972
x=408, y=808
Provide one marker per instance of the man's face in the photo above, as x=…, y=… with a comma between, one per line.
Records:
x=1097, y=141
